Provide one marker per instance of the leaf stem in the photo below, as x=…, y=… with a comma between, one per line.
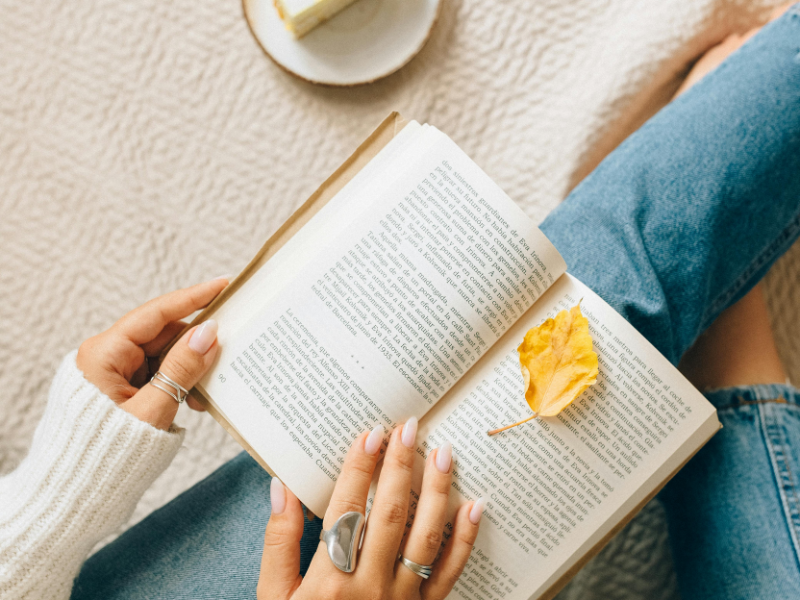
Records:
x=494, y=431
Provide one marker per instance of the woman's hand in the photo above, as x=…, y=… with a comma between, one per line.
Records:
x=378, y=573
x=121, y=360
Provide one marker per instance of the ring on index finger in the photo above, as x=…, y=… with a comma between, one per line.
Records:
x=343, y=540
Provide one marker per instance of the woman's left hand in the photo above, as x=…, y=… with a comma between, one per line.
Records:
x=120, y=360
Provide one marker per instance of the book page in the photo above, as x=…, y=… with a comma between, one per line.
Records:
x=323, y=229
x=556, y=486
x=384, y=320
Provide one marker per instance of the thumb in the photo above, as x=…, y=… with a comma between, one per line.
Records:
x=187, y=362
x=280, y=563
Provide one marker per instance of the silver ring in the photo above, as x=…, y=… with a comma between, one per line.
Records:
x=179, y=394
x=343, y=540
x=423, y=571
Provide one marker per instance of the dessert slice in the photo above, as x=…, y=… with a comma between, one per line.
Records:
x=301, y=16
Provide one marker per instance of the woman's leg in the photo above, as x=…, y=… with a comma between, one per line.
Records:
x=734, y=510
x=690, y=211
x=738, y=349
x=205, y=544
x=675, y=241
x=672, y=227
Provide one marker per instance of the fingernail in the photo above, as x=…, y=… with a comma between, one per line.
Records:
x=226, y=277
x=444, y=456
x=477, y=510
x=203, y=337
x=409, y=434
x=374, y=441
x=277, y=496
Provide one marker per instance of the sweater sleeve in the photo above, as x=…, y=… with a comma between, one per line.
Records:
x=88, y=466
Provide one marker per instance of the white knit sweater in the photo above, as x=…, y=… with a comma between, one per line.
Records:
x=88, y=466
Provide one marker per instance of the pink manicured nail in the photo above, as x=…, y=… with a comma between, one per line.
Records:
x=203, y=337
x=226, y=277
x=477, y=510
x=444, y=456
x=409, y=435
x=374, y=441
x=277, y=496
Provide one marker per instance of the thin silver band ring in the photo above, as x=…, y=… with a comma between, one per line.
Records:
x=178, y=392
x=423, y=571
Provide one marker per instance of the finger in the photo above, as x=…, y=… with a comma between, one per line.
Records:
x=448, y=568
x=389, y=514
x=186, y=363
x=425, y=538
x=170, y=331
x=352, y=486
x=194, y=404
x=280, y=562
x=143, y=324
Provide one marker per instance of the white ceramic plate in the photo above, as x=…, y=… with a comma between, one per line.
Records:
x=368, y=40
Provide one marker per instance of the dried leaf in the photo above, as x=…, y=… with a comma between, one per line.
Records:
x=557, y=363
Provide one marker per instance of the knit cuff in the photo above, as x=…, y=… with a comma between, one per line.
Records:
x=88, y=466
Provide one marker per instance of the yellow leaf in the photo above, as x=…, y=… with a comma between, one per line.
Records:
x=557, y=363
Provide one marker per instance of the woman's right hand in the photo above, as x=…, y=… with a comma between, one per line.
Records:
x=378, y=573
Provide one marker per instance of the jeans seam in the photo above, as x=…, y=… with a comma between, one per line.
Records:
x=763, y=258
x=783, y=477
x=743, y=402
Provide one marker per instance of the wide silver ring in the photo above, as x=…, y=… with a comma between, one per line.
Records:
x=343, y=540
x=178, y=392
x=423, y=571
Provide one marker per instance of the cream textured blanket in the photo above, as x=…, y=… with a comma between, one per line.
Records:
x=148, y=145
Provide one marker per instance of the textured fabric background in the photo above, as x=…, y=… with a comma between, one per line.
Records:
x=149, y=145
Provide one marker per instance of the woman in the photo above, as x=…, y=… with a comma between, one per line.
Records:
x=690, y=212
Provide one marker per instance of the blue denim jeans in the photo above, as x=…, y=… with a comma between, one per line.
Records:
x=734, y=511
x=674, y=226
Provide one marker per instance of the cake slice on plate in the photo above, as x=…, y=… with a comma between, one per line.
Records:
x=301, y=16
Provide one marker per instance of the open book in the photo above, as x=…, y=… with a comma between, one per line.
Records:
x=402, y=288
